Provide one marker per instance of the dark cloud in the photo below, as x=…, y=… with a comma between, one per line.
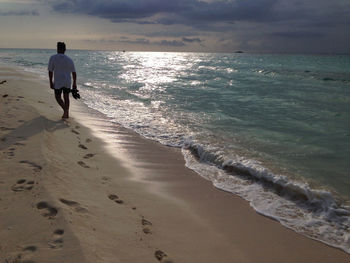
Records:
x=177, y=11
x=172, y=43
x=140, y=41
x=196, y=12
x=249, y=23
x=298, y=34
x=171, y=33
x=139, y=22
x=191, y=40
x=121, y=39
x=119, y=9
x=19, y=13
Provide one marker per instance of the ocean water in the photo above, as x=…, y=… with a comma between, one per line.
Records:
x=274, y=129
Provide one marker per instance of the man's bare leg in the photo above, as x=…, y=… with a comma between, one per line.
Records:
x=62, y=104
x=66, y=104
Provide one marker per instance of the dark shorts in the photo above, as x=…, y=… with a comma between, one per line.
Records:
x=58, y=92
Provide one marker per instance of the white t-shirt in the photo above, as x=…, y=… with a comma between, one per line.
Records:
x=62, y=66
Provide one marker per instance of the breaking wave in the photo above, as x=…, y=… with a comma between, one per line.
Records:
x=311, y=212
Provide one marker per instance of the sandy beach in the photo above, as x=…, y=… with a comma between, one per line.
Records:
x=80, y=190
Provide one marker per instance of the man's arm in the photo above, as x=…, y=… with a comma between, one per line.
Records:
x=74, y=74
x=50, y=78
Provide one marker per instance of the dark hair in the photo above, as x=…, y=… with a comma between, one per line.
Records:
x=61, y=46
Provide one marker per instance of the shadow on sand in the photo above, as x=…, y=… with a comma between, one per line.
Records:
x=29, y=129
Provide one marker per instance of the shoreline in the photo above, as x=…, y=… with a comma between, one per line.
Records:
x=160, y=204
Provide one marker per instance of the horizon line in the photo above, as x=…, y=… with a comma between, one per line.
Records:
x=238, y=52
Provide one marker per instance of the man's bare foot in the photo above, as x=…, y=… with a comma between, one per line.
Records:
x=65, y=116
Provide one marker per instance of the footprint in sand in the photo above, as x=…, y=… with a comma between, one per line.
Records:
x=6, y=129
x=82, y=146
x=162, y=257
x=88, y=140
x=36, y=167
x=47, y=210
x=147, y=231
x=22, y=184
x=23, y=256
x=10, y=154
x=3, y=81
x=82, y=164
x=115, y=198
x=74, y=131
x=146, y=226
x=89, y=155
x=57, y=239
x=75, y=205
x=105, y=179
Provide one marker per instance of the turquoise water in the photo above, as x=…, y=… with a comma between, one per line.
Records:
x=274, y=129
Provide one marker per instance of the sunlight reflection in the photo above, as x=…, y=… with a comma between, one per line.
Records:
x=155, y=69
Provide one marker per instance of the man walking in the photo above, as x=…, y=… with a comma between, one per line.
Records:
x=60, y=69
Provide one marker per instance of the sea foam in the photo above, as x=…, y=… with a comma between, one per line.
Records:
x=311, y=212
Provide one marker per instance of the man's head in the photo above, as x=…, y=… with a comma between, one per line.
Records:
x=61, y=47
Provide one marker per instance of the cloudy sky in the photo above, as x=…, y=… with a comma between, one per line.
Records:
x=297, y=26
